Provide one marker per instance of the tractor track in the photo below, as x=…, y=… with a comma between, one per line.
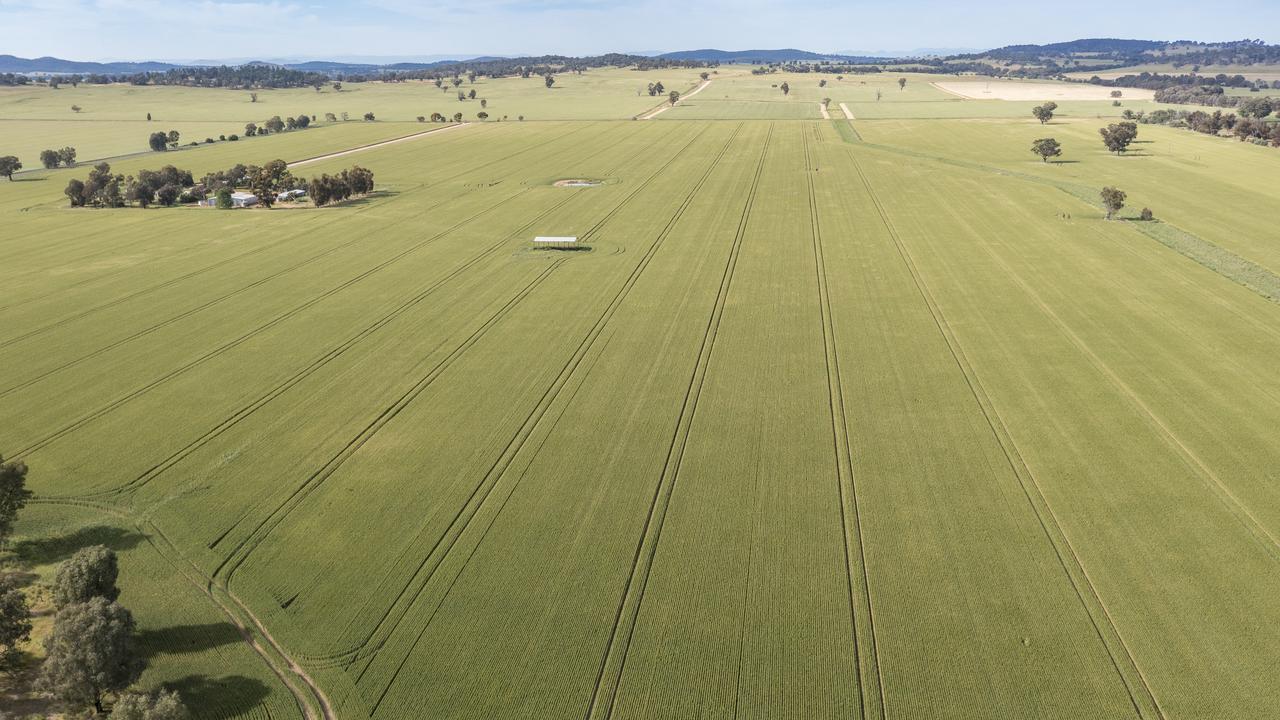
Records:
x=608, y=678
x=109, y=407
x=292, y=236
x=404, y=590
x=1139, y=692
x=585, y=348
x=846, y=481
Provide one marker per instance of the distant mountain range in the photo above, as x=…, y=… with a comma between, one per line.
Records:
x=1116, y=51
x=58, y=66
x=11, y=64
x=52, y=65
x=760, y=56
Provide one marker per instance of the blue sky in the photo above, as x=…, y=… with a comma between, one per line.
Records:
x=190, y=29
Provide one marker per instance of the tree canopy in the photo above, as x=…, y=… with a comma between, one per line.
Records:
x=89, y=653
x=90, y=573
x=13, y=495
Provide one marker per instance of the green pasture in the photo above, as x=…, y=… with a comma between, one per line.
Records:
x=877, y=419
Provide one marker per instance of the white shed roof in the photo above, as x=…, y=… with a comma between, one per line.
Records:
x=552, y=239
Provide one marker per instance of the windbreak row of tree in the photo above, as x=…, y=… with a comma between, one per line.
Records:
x=170, y=186
x=1254, y=127
x=275, y=124
x=328, y=189
x=1199, y=95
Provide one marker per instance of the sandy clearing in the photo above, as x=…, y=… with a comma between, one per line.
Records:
x=848, y=114
x=682, y=98
x=362, y=148
x=1006, y=90
x=823, y=109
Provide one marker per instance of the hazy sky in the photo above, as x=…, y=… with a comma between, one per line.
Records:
x=189, y=29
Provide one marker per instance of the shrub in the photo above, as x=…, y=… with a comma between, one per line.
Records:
x=1147, y=215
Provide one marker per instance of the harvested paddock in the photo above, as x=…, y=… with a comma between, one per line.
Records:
x=1013, y=90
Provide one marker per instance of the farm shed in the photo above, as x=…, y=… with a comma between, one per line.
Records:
x=554, y=242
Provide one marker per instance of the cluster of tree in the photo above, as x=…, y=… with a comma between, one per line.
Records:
x=10, y=79
x=1118, y=136
x=1158, y=81
x=254, y=75
x=1210, y=95
x=328, y=189
x=55, y=158
x=104, y=189
x=1253, y=129
x=161, y=141
x=274, y=125
x=170, y=185
x=90, y=653
x=15, y=615
x=656, y=88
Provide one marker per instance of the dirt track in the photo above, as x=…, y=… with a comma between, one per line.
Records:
x=667, y=107
x=362, y=148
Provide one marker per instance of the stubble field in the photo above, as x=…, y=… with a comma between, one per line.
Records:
x=869, y=419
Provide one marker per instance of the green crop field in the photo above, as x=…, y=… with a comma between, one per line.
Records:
x=868, y=419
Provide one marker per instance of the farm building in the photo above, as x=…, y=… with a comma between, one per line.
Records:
x=243, y=199
x=289, y=195
x=556, y=243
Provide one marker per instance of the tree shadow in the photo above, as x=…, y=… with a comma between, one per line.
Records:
x=187, y=638
x=44, y=551
x=30, y=179
x=1064, y=162
x=227, y=696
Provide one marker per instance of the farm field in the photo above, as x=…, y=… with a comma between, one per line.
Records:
x=834, y=419
x=739, y=94
x=1252, y=72
x=112, y=118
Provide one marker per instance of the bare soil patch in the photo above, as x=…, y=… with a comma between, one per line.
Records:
x=1005, y=90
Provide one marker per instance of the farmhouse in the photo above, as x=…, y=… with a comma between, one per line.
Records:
x=243, y=199
x=289, y=195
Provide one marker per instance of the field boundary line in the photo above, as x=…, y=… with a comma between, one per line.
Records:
x=567, y=375
x=663, y=108
x=846, y=480
x=604, y=693
x=381, y=143
x=1047, y=517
